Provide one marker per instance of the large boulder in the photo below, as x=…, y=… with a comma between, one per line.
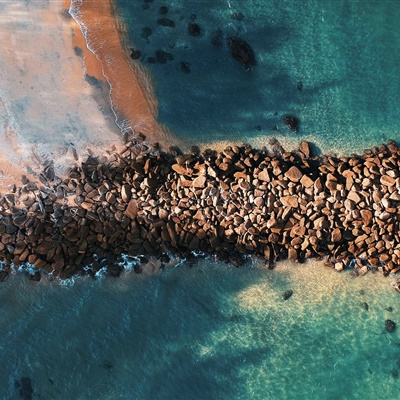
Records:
x=242, y=52
x=390, y=325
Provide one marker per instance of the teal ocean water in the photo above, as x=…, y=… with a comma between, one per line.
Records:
x=213, y=331
x=345, y=54
x=206, y=332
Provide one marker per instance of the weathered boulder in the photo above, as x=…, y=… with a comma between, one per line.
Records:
x=293, y=174
x=390, y=325
x=287, y=294
x=242, y=52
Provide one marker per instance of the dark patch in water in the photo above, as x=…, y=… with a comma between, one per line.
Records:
x=146, y=32
x=166, y=22
x=92, y=80
x=135, y=54
x=185, y=67
x=78, y=51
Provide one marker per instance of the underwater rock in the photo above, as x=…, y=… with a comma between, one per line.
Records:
x=238, y=16
x=287, y=294
x=146, y=32
x=166, y=22
x=194, y=29
x=390, y=325
x=25, y=388
x=135, y=54
x=3, y=276
x=163, y=57
x=163, y=10
x=185, y=67
x=216, y=38
x=292, y=122
x=242, y=52
x=299, y=86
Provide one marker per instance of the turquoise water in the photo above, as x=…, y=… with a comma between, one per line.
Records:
x=345, y=53
x=206, y=332
x=213, y=331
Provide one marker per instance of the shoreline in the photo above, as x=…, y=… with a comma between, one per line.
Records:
x=269, y=203
x=131, y=94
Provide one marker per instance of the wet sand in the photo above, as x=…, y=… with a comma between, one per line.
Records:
x=48, y=106
x=131, y=88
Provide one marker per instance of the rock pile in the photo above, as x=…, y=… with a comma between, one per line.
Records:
x=273, y=204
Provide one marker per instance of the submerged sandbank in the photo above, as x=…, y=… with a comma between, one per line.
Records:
x=134, y=103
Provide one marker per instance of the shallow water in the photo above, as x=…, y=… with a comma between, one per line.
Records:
x=344, y=53
x=210, y=331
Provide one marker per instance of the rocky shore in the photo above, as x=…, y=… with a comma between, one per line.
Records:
x=269, y=203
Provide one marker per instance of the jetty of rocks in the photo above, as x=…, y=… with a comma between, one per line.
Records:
x=269, y=203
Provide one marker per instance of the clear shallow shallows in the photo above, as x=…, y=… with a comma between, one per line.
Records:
x=345, y=53
x=207, y=332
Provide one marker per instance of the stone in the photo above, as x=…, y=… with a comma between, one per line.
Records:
x=336, y=235
x=146, y=32
x=390, y=326
x=264, y=176
x=132, y=209
x=3, y=276
x=293, y=174
x=306, y=181
x=292, y=122
x=162, y=57
x=289, y=201
x=287, y=294
x=367, y=216
x=199, y=182
x=166, y=22
x=194, y=29
x=185, y=67
x=387, y=180
x=242, y=52
x=305, y=148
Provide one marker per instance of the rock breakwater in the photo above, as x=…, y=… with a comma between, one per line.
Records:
x=269, y=203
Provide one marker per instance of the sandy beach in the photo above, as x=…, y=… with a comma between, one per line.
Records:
x=48, y=106
x=132, y=95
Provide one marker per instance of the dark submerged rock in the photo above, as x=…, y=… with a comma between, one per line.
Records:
x=217, y=38
x=185, y=67
x=135, y=54
x=163, y=57
x=25, y=388
x=390, y=325
x=242, y=52
x=238, y=16
x=146, y=32
x=292, y=122
x=163, y=10
x=287, y=294
x=166, y=22
x=3, y=276
x=299, y=86
x=365, y=306
x=194, y=29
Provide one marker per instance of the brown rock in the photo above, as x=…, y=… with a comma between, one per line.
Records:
x=387, y=180
x=132, y=209
x=366, y=215
x=181, y=170
x=264, y=176
x=305, y=148
x=336, y=235
x=290, y=201
x=306, y=181
x=200, y=182
x=293, y=174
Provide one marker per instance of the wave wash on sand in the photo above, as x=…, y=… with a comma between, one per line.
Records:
x=131, y=94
